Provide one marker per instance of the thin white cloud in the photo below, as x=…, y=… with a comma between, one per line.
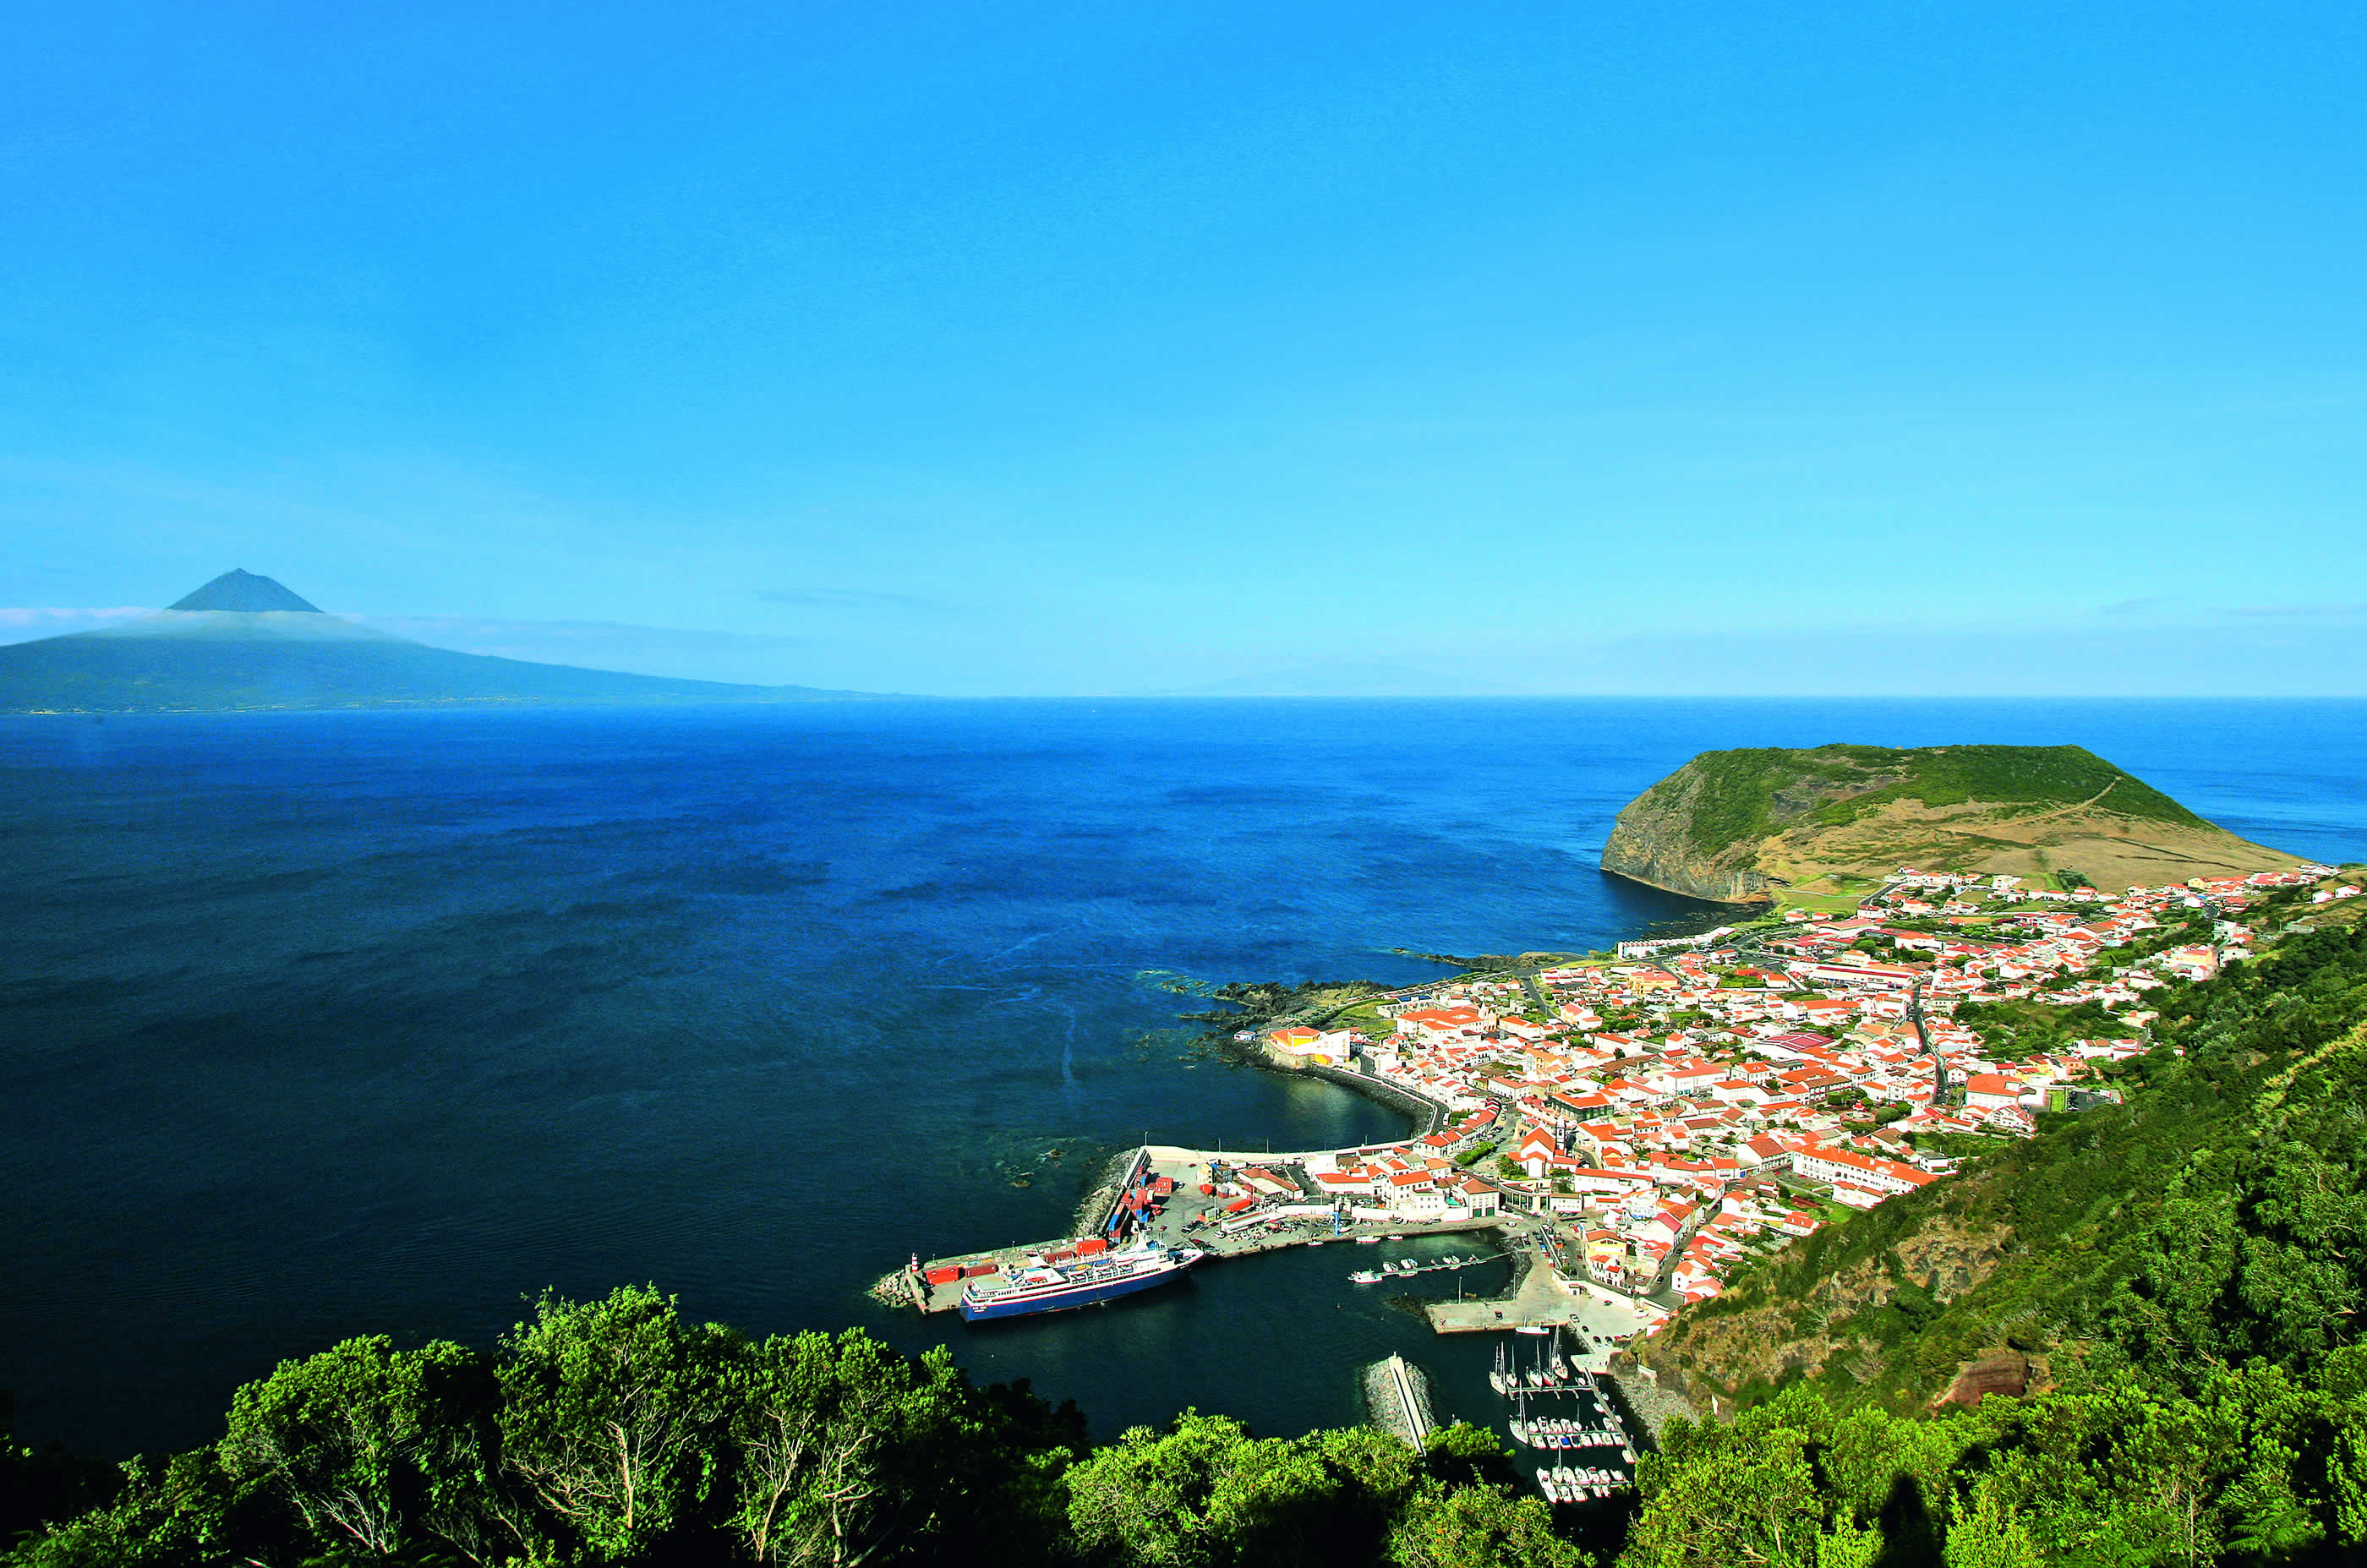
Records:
x=41, y=617
x=29, y=624
x=2303, y=611
x=468, y=632
x=755, y=658
x=851, y=599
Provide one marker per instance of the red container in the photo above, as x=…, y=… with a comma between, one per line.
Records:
x=975, y=1270
x=942, y=1276
x=1088, y=1248
x=1238, y=1204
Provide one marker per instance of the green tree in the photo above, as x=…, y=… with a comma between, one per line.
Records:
x=179, y=1513
x=38, y=1485
x=1986, y=1534
x=847, y=1450
x=1206, y=1492
x=1461, y=1454
x=370, y=1447
x=614, y=1417
x=1745, y=1493
x=1478, y=1527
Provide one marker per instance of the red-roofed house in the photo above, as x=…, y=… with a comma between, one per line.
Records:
x=1987, y=1091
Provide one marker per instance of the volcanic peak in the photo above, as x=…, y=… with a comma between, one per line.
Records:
x=237, y=590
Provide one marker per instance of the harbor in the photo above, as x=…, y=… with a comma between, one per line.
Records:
x=1211, y=1207
x=1171, y=1212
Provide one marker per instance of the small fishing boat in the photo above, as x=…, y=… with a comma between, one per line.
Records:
x=1366, y=1277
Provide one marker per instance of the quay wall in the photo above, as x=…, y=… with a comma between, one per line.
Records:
x=1428, y=1115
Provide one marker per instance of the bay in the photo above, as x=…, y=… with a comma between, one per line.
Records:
x=319, y=1024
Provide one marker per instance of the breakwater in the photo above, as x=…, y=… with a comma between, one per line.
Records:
x=1397, y=1396
x=1094, y=1208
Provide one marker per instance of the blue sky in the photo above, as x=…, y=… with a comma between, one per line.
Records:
x=1091, y=349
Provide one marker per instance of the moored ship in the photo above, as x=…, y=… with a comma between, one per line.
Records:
x=1055, y=1287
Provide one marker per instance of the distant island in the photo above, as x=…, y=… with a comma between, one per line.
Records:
x=1738, y=826
x=243, y=641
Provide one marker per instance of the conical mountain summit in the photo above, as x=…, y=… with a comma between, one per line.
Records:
x=238, y=590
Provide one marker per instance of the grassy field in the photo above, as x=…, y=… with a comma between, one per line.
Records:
x=1365, y=1018
x=1837, y=903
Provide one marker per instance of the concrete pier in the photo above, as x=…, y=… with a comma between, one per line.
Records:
x=1539, y=1300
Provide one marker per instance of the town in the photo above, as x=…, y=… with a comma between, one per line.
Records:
x=1695, y=1101
x=1642, y=1123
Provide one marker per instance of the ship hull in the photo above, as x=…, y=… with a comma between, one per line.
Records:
x=1084, y=1293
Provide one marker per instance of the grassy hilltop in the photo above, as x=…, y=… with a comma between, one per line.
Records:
x=1734, y=825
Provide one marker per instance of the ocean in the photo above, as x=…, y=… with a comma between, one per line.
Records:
x=324, y=1025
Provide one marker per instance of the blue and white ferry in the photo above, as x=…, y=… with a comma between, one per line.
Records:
x=1055, y=1287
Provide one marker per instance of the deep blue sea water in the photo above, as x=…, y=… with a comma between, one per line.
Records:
x=322, y=1024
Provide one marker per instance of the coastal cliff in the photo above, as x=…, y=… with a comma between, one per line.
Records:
x=1734, y=825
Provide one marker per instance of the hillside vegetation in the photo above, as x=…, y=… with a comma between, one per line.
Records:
x=1733, y=825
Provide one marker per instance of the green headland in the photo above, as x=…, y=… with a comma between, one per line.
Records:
x=1738, y=825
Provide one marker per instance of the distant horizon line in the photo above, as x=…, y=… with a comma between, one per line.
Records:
x=859, y=698
x=47, y=624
